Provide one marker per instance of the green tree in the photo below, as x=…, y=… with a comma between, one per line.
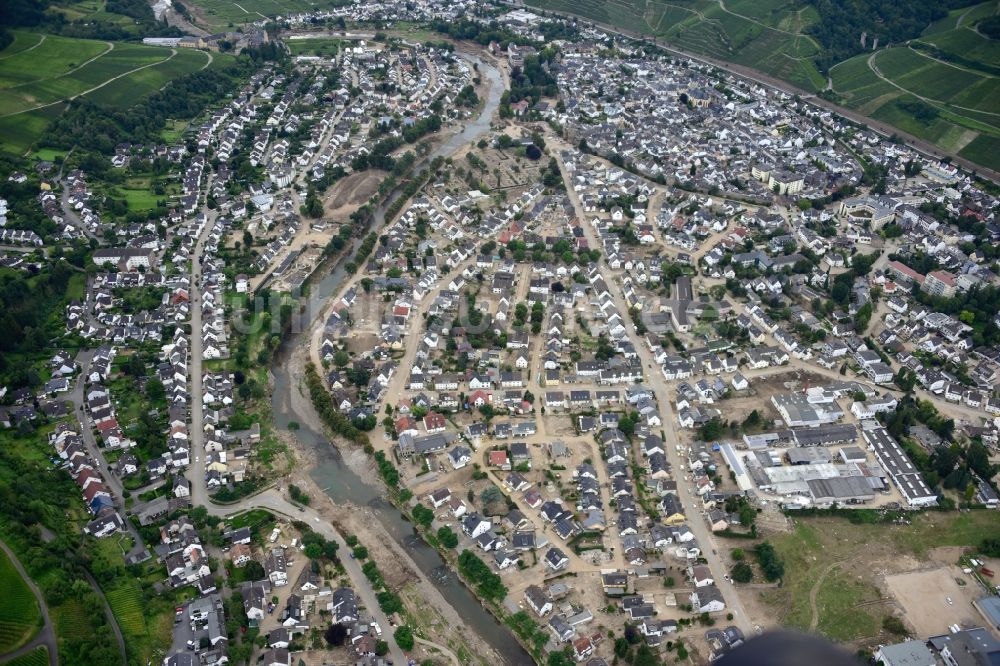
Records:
x=742, y=573
x=447, y=537
x=404, y=637
x=770, y=562
x=490, y=494
x=389, y=602
x=254, y=570
x=894, y=625
x=862, y=317
x=422, y=515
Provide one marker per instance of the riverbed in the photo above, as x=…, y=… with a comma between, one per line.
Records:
x=330, y=472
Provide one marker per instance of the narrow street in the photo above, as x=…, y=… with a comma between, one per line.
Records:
x=114, y=483
x=199, y=494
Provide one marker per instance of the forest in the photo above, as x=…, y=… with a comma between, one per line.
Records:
x=25, y=302
x=842, y=23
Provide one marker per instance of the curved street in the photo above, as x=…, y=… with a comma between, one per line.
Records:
x=273, y=501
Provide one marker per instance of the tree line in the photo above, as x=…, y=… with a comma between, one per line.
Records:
x=91, y=127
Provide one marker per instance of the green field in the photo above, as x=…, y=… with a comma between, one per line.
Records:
x=37, y=657
x=19, y=132
x=85, y=11
x=217, y=14
x=328, y=47
x=20, y=617
x=22, y=42
x=849, y=603
x=35, y=83
x=55, y=57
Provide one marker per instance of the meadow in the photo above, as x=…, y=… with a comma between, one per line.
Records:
x=20, y=617
x=847, y=603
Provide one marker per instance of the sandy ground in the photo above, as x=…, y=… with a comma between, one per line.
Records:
x=923, y=595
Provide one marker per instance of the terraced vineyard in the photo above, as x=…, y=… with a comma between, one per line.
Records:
x=20, y=617
x=943, y=87
x=37, y=657
x=71, y=620
x=126, y=603
x=768, y=35
x=123, y=92
x=39, y=73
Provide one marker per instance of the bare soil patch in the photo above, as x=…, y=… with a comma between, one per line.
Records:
x=923, y=596
x=354, y=190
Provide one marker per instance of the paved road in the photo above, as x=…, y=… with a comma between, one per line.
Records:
x=273, y=501
x=47, y=636
x=111, y=479
x=654, y=379
x=196, y=434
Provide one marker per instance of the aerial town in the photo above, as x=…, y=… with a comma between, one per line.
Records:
x=462, y=333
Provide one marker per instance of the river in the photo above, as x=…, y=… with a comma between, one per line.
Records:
x=332, y=474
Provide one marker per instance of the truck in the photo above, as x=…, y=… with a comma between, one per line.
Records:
x=986, y=572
